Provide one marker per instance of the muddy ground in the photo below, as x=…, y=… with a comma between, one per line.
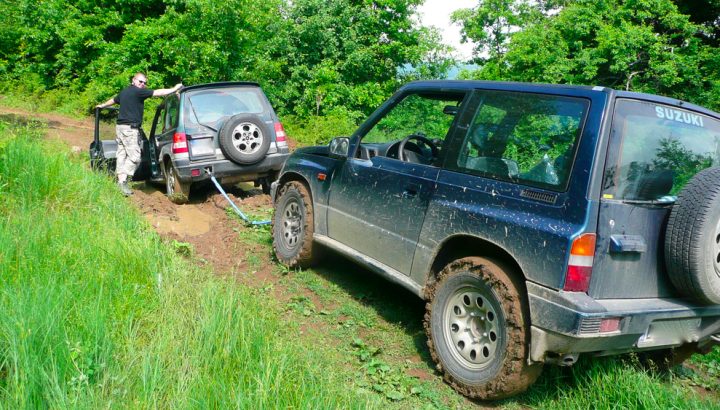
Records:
x=202, y=222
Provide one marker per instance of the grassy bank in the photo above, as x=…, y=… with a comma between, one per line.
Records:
x=96, y=312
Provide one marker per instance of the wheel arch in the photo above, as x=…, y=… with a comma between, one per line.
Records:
x=464, y=245
x=297, y=177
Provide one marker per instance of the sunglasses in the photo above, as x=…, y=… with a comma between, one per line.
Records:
x=142, y=82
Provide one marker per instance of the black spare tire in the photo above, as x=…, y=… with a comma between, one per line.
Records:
x=692, y=241
x=244, y=139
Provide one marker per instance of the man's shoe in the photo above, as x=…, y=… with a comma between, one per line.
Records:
x=125, y=188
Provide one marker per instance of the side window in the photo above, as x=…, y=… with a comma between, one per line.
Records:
x=171, y=114
x=429, y=115
x=522, y=137
x=160, y=125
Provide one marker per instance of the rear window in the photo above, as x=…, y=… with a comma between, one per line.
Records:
x=210, y=107
x=656, y=149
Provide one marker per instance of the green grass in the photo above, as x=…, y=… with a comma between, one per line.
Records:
x=375, y=327
x=97, y=312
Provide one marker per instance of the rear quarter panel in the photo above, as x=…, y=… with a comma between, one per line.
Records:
x=536, y=235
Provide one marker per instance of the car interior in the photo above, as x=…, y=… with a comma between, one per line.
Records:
x=414, y=129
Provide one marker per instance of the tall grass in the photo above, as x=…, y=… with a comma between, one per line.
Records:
x=611, y=383
x=96, y=312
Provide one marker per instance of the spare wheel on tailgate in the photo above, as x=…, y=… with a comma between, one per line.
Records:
x=692, y=241
x=244, y=139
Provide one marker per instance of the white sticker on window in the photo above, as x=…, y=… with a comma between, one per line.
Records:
x=679, y=116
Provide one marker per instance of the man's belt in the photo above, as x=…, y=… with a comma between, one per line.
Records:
x=133, y=126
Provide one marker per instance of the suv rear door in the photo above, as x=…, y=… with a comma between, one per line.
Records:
x=654, y=150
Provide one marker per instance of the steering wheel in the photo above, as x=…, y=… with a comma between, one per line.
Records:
x=401, y=148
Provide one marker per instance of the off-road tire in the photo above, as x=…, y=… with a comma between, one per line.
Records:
x=232, y=137
x=666, y=359
x=177, y=192
x=692, y=240
x=506, y=371
x=294, y=248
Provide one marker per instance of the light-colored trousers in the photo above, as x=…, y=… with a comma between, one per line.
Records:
x=128, y=150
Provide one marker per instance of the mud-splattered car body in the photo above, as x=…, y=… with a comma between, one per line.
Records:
x=565, y=190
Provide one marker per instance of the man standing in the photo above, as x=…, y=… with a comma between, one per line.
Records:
x=132, y=104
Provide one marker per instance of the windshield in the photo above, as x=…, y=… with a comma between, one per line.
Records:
x=652, y=142
x=212, y=106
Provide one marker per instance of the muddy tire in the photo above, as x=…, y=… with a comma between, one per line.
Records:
x=244, y=139
x=478, y=327
x=665, y=359
x=177, y=192
x=293, y=227
x=692, y=240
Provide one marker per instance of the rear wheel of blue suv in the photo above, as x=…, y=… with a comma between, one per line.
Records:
x=478, y=328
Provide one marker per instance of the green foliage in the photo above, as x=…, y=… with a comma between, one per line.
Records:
x=413, y=115
x=492, y=23
x=314, y=130
x=639, y=45
x=312, y=57
x=343, y=53
x=683, y=162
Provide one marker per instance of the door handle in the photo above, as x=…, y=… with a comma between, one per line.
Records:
x=411, y=191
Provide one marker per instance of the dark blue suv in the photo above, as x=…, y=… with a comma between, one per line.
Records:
x=538, y=221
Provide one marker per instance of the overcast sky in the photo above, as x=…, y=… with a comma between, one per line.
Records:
x=437, y=13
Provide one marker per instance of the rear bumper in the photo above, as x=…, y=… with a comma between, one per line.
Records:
x=570, y=322
x=228, y=171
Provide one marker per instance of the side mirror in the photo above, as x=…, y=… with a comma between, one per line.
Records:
x=339, y=147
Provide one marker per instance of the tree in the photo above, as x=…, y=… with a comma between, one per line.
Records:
x=345, y=54
x=491, y=25
x=639, y=45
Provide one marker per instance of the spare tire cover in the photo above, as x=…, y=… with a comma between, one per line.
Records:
x=692, y=241
x=244, y=139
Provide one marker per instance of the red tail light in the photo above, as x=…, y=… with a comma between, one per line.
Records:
x=279, y=132
x=580, y=263
x=179, y=143
x=610, y=325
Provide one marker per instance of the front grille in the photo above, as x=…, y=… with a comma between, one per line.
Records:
x=539, y=196
x=589, y=325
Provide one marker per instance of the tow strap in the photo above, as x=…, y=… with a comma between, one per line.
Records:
x=233, y=204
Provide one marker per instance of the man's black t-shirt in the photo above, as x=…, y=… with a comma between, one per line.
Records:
x=132, y=102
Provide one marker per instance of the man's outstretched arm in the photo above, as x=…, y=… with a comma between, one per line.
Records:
x=166, y=91
x=107, y=103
